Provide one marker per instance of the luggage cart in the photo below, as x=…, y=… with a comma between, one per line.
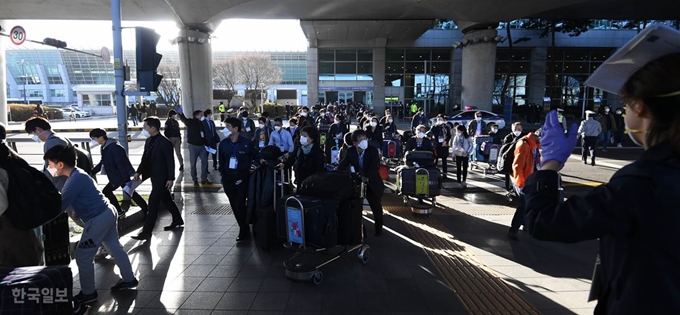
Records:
x=304, y=265
x=479, y=160
x=426, y=202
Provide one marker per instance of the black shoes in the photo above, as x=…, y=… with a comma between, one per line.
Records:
x=142, y=237
x=513, y=235
x=195, y=183
x=181, y=168
x=122, y=285
x=173, y=226
x=206, y=182
x=82, y=298
x=592, y=163
x=243, y=235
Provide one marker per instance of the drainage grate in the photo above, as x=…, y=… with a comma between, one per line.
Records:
x=213, y=210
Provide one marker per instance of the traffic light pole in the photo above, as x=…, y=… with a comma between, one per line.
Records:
x=119, y=73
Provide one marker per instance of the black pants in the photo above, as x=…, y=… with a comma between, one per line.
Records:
x=588, y=145
x=445, y=166
x=160, y=194
x=376, y=207
x=214, y=158
x=237, y=199
x=508, y=185
x=462, y=166
x=108, y=192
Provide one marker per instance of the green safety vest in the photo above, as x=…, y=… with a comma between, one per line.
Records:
x=560, y=118
x=414, y=108
x=222, y=109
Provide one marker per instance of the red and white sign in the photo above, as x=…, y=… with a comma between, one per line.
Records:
x=106, y=54
x=17, y=35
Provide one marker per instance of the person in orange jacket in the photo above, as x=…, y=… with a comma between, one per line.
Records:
x=525, y=163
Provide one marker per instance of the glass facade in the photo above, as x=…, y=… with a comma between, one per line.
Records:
x=346, y=65
x=293, y=64
x=424, y=74
x=568, y=69
x=512, y=71
x=86, y=69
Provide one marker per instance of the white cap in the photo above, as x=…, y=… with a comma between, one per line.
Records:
x=231, y=110
x=653, y=42
x=590, y=112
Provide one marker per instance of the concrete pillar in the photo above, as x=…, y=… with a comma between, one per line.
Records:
x=537, y=73
x=379, y=80
x=312, y=76
x=3, y=77
x=479, y=61
x=195, y=68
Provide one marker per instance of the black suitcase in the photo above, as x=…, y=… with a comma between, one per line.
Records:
x=422, y=158
x=265, y=219
x=36, y=291
x=350, y=222
x=340, y=185
x=320, y=216
x=56, y=241
x=406, y=182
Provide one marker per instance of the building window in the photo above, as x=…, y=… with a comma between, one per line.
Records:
x=35, y=93
x=57, y=93
x=346, y=65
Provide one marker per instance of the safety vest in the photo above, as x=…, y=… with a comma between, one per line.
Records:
x=560, y=118
x=414, y=108
x=222, y=108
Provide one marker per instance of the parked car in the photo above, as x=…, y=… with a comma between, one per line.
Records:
x=463, y=117
x=68, y=111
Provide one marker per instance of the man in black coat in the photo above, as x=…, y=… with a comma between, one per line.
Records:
x=211, y=137
x=365, y=160
x=196, y=140
x=158, y=164
x=441, y=134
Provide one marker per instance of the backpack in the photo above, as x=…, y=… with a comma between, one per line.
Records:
x=32, y=198
x=506, y=156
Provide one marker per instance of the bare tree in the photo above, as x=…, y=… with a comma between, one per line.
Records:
x=226, y=74
x=170, y=88
x=257, y=72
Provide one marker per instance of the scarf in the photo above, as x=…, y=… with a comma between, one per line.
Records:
x=306, y=149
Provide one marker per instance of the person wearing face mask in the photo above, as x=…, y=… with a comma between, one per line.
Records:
x=41, y=130
x=115, y=162
x=562, y=119
x=389, y=128
x=374, y=133
x=196, y=138
x=476, y=127
x=305, y=118
x=174, y=134
x=281, y=138
x=158, y=165
x=383, y=119
x=419, y=141
x=365, y=160
x=211, y=137
x=589, y=131
x=293, y=128
x=336, y=135
x=441, y=133
x=419, y=119
x=236, y=155
x=248, y=124
x=620, y=126
x=462, y=147
x=608, y=127
x=634, y=215
x=493, y=133
x=507, y=152
x=262, y=133
x=308, y=157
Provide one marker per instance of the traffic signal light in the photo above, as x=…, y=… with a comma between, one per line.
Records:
x=147, y=59
x=54, y=42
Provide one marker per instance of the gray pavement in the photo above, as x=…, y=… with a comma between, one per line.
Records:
x=201, y=269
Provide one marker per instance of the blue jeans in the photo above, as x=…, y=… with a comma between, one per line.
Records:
x=518, y=218
x=607, y=136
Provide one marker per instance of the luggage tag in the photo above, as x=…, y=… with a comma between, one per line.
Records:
x=247, y=129
x=233, y=163
x=351, y=169
x=441, y=139
x=422, y=182
x=261, y=143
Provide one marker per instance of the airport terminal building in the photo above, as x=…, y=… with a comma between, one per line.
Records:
x=374, y=62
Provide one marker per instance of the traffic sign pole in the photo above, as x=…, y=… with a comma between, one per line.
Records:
x=119, y=73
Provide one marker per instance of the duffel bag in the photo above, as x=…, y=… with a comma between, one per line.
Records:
x=422, y=158
x=407, y=182
x=270, y=153
x=340, y=185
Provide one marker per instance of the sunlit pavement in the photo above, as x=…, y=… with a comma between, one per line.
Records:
x=453, y=262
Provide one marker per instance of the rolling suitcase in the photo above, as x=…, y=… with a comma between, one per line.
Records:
x=264, y=226
x=324, y=134
x=422, y=158
x=320, y=220
x=56, y=241
x=339, y=185
x=350, y=227
x=36, y=291
x=391, y=149
x=407, y=178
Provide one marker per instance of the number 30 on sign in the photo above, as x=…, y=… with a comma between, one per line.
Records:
x=17, y=35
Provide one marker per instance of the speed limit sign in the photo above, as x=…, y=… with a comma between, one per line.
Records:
x=17, y=35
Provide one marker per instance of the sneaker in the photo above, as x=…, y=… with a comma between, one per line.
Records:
x=604, y=150
x=619, y=146
x=85, y=298
x=206, y=182
x=101, y=253
x=122, y=285
x=195, y=183
x=464, y=184
x=80, y=308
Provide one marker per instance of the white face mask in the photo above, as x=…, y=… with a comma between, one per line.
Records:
x=303, y=140
x=226, y=132
x=517, y=133
x=277, y=128
x=606, y=110
x=35, y=138
x=52, y=170
x=458, y=133
x=618, y=112
x=421, y=135
x=373, y=124
x=478, y=118
x=93, y=143
x=630, y=135
x=363, y=144
x=202, y=118
x=494, y=130
x=303, y=114
x=390, y=120
x=146, y=133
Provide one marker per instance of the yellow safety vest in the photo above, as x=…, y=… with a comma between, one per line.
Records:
x=560, y=118
x=222, y=109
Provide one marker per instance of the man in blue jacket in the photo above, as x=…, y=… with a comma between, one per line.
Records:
x=211, y=137
x=117, y=167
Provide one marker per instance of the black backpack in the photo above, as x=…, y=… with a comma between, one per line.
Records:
x=33, y=199
x=506, y=156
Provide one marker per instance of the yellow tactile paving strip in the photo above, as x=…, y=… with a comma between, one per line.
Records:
x=477, y=287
